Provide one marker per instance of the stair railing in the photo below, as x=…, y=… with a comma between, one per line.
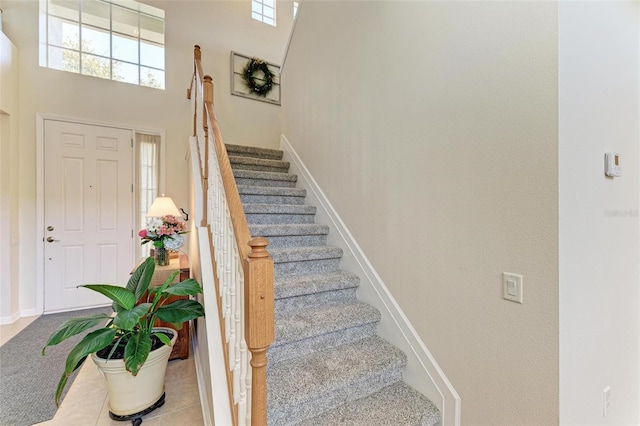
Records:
x=243, y=269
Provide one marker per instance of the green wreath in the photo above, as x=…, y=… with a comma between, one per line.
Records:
x=260, y=85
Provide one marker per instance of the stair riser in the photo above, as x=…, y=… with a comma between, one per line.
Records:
x=297, y=241
x=250, y=155
x=299, y=288
x=333, y=398
x=322, y=342
x=254, y=152
x=257, y=161
x=271, y=199
x=306, y=267
x=279, y=218
x=260, y=168
x=312, y=300
x=264, y=182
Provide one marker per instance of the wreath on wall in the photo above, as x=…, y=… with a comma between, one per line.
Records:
x=259, y=78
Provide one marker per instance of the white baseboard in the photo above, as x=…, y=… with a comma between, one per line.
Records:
x=422, y=372
x=29, y=313
x=10, y=319
x=57, y=311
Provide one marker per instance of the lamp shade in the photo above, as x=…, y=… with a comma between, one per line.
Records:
x=163, y=206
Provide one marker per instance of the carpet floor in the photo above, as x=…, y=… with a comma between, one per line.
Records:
x=28, y=380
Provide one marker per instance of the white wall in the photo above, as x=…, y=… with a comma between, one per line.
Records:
x=432, y=128
x=599, y=92
x=9, y=148
x=217, y=26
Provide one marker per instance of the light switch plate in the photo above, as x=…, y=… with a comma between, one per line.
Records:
x=512, y=287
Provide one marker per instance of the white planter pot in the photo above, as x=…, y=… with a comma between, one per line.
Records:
x=129, y=394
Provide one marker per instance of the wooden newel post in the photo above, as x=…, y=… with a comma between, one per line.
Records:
x=259, y=322
x=208, y=89
x=197, y=54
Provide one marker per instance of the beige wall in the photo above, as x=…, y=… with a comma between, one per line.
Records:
x=9, y=149
x=217, y=26
x=599, y=74
x=432, y=128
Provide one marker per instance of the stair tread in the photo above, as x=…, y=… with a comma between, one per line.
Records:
x=304, y=323
x=301, y=254
x=271, y=190
x=398, y=404
x=299, y=285
x=239, y=160
x=278, y=208
x=260, y=152
x=306, y=378
x=255, y=174
x=288, y=229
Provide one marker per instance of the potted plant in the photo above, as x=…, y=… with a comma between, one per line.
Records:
x=131, y=353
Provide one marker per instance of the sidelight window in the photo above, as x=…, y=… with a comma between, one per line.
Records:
x=148, y=178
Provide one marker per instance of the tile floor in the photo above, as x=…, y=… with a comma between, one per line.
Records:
x=86, y=402
x=9, y=330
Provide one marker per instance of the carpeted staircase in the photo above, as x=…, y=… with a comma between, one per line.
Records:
x=326, y=366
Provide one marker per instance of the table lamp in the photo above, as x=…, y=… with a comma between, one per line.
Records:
x=163, y=206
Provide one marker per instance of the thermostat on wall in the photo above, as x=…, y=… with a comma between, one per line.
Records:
x=612, y=166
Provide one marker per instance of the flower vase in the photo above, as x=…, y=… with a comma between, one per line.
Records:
x=162, y=256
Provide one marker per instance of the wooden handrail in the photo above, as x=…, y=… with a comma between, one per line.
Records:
x=238, y=219
x=255, y=261
x=197, y=62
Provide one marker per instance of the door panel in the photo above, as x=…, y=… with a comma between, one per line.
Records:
x=88, y=212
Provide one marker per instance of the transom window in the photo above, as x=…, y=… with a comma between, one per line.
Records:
x=120, y=40
x=264, y=11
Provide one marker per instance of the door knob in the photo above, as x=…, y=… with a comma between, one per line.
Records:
x=50, y=240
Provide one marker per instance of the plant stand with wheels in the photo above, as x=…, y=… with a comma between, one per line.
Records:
x=136, y=419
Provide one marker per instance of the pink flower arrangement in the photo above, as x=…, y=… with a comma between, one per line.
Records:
x=164, y=232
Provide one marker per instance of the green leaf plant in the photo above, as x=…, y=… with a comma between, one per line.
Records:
x=136, y=307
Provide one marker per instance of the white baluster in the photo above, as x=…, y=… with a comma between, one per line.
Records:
x=216, y=221
x=210, y=191
x=249, y=385
x=234, y=350
x=225, y=277
x=219, y=232
x=245, y=369
x=233, y=296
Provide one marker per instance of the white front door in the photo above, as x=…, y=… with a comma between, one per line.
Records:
x=88, y=212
